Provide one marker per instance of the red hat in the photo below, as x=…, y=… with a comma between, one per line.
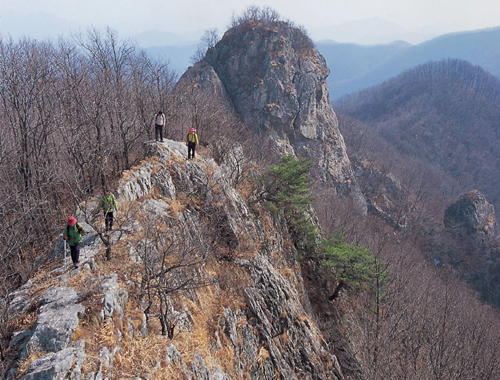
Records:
x=71, y=221
x=192, y=130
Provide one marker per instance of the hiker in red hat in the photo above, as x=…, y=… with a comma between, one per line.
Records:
x=191, y=142
x=73, y=233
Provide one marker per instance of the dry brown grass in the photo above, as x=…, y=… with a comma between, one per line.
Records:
x=35, y=355
x=263, y=355
x=206, y=313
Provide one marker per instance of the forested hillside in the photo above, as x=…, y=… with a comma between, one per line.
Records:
x=445, y=115
x=436, y=129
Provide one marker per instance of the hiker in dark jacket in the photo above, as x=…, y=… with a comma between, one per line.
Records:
x=159, y=121
x=73, y=233
x=191, y=142
x=108, y=205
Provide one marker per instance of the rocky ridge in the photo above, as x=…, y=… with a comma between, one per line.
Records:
x=473, y=249
x=256, y=321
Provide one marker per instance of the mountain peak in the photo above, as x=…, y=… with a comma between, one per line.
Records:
x=271, y=74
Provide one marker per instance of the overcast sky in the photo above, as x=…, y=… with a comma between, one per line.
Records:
x=189, y=18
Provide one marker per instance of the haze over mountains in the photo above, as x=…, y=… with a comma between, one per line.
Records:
x=355, y=67
x=360, y=53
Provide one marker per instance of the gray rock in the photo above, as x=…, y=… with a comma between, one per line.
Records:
x=200, y=369
x=471, y=215
x=57, y=321
x=114, y=297
x=20, y=300
x=20, y=338
x=217, y=374
x=173, y=355
x=106, y=358
x=65, y=364
x=148, y=176
x=144, y=326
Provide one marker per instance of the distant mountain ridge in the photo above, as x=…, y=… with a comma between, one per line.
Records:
x=355, y=67
x=371, y=65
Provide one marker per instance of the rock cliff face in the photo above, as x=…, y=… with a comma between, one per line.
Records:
x=474, y=251
x=471, y=215
x=275, y=79
x=251, y=318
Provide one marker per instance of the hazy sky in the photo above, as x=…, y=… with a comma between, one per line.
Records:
x=188, y=17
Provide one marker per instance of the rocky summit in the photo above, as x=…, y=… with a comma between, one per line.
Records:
x=271, y=74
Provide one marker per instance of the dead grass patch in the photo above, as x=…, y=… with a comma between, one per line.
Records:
x=206, y=314
x=24, y=366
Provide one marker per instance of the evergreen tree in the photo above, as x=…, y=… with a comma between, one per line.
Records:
x=286, y=188
x=353, y=265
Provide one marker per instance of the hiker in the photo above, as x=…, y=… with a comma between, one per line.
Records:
x=191, y=142
x=108, y=205
x=159, y=120
x=73, y=233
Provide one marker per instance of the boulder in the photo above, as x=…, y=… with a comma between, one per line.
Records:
x=114, y=297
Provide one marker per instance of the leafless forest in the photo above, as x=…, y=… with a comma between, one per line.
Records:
x=435, y=129
x=74, y=115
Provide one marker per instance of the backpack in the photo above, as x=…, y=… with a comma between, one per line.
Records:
x=162, y=119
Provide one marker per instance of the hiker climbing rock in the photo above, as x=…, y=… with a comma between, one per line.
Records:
x=73, y=233
x=191, y=142
x=108, y=204
x=159, y=121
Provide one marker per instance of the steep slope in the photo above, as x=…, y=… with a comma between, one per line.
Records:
x=275, y=80
x=234, y=304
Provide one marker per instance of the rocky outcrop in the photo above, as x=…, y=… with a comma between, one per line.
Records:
x=382, y=192
x=471, y=215
x=57, y=321
x=114, y=298
x=473, y=249
x=64, y=364
x=275, y=80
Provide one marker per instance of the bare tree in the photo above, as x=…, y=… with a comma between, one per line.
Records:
x=208, y=41
x=171, y=263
